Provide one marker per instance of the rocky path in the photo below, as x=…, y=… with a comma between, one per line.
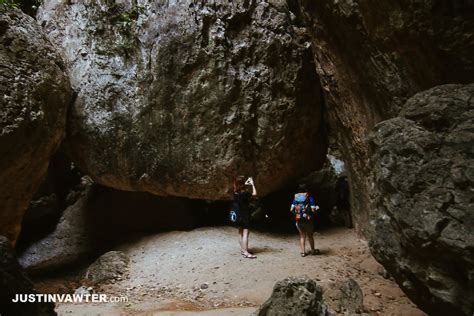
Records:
x=201, y=271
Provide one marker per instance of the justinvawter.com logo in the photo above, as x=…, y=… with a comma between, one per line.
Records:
x=68, y=298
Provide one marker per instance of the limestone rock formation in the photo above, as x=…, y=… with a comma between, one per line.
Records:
x=61, y=187
x=423, y=172
x=12, y=282
x=112, y=265
x=69, y=242
x=34, y=96
x=350, y=300
x=295, y=296
x=372, y=55
x=177, y=98
x=101, y=218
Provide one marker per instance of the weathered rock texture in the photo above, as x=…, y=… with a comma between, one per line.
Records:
x=372, y=55
x=295, y=296
x=100, y=219
x=61, y=187
x=423, y=170
x=13, y=281
x=350, y=299
x=34, y=94
x=177, y=98
x=112, y=265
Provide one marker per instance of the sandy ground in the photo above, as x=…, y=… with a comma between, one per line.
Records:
x=202, y=272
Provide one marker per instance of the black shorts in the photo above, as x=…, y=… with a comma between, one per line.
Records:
x=243, y=225
x=244, y=221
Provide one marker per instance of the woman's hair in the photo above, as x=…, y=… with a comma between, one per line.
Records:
x=239, y=183
x=302, y=187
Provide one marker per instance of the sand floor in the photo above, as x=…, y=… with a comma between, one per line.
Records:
x=202, y=272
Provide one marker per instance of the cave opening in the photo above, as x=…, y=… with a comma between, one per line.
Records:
x=110, y=215
x=184, y=250
x=88, y=219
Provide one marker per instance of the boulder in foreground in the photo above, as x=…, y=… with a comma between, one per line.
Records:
x=423, y=219
x=295, y=296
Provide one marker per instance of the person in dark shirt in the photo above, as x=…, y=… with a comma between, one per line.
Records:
x=242, y=205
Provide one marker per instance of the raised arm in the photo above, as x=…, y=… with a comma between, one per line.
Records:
x=254, y=190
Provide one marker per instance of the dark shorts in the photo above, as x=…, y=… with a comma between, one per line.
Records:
x=305, y=226
x=244, y=222
x=243, y=225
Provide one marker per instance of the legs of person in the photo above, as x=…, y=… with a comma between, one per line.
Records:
x=241, y=239
x=245, y=244
x=302, y=239
x=310, y=233
x=245, y=240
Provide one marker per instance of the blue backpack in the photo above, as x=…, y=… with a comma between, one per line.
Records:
x=302, y=209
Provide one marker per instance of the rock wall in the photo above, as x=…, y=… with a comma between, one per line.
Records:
x=13, y=281
x=177, y=98
x=35, y=94
x=423, y=171
x=372, y=55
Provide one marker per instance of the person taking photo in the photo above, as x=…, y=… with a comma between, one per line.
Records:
x=241, y=207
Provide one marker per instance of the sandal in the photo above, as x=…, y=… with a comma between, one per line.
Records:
x=315, y=252
x=248, y=255
x=303, y=254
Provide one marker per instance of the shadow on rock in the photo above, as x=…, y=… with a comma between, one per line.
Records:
x=102, y=218
x=12, y=282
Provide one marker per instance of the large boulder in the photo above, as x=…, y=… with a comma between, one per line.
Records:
x=423, y=173
x=112, y=265
x=35, y=94
x=295, y=296
x=99, y=220
x=371, y=56
x=350, y=299
x=177, y=98
x=13, y=281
